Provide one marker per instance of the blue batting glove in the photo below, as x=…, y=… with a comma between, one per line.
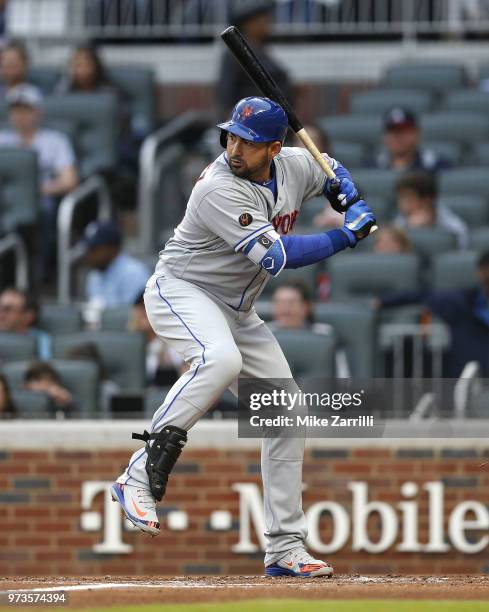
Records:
x=341, y=191
x=359, y=218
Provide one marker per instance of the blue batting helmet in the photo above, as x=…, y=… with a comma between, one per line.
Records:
x=256, y=119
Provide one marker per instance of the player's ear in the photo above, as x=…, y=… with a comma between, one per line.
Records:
x=275, y=148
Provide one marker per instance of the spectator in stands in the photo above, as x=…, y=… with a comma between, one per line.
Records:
x=14, y=64
x=86, y=73
x=254, y=19
x=116, y=278
x=42, y=377
x=416, y=200
x=390, y=239
x=402, y=144
x=292, y=308
x=7, y=406
x=18, y=315
x=56, y=156
x=465, y=311
x=164, y=366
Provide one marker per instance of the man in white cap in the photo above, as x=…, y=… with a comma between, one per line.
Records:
x=56, y=155
x=57, y=164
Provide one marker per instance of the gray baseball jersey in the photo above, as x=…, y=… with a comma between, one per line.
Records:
x=225, y=213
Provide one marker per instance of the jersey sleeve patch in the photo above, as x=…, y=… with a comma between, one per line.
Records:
x=267, y=251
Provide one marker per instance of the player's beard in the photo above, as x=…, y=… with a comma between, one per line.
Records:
x=247, y=172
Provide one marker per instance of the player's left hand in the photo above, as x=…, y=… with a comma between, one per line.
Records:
x=341, y=191
x=359, y=218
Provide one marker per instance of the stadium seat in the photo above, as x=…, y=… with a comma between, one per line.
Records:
x=450, y=151
x=436, y=78
x=19, y=189
x=372, y=274
x=309, y=354
x=44, y=77
x=264, y=309
x=306, y=275
x=354, y=326
x=116, y=318
x=308, y=211
x=461, y=181
x=456, y=126
x=470, y=100
x=379, y=101
x=373, y=182
x=454, y=270
x=79, y=377
x=95, y=117
x=16, y=347
x=60, y=319
x=31, y=404
x=479, y=239
x=473, y=209
x=359, y=129
x=137, y=84
x=427, y=241
x=122, y=353
x=350, y=154
x=481, y=153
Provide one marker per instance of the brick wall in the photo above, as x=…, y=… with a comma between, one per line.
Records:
x=40, y=509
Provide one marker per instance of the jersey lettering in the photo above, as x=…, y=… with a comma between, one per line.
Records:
x=285, y=223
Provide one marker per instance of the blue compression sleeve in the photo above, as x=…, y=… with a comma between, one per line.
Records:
x=305, y=250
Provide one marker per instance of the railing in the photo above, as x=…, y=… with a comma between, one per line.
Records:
x=157, y=154
x=69, y=254
x=200, y=19
x=13, y=242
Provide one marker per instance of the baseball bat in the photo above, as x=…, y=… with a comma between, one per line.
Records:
x=260, y=76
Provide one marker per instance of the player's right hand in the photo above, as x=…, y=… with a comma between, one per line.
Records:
x=359, y=218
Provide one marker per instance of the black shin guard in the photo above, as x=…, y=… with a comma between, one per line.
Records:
x=162, y=456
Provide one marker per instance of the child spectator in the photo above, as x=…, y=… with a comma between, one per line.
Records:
x=42, y=377
x=391, y=240
x=416, y=200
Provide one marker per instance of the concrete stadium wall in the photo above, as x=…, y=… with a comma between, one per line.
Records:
x=398, y=506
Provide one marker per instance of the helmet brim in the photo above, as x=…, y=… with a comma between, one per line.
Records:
x=238, y=130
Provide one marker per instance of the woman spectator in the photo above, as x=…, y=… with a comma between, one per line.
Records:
x=7, y=406
x=86, y=73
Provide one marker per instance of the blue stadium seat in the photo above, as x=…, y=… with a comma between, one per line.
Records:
x=452, y=152
x=354, y=326
x=456, y=126
x=95, y=117
x=470, y=100
x=461, y=181
x=380, y=101
x=373, y=182
x=427, y=241
x=481, y=153
x=428, y=77
x=473, y=209
x=454, y=270
x=372, y=274
x=350, y=154
x=359, y=129
x=309, y=354
x=19, y=189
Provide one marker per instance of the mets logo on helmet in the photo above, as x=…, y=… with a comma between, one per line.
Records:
x=246, y=112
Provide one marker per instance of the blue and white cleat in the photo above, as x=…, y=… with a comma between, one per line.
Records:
x=138, y=505
x=298, y=563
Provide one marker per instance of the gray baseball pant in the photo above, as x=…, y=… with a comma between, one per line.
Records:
x=221, y=344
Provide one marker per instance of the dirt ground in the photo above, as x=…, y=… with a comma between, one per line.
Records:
x=116, y=590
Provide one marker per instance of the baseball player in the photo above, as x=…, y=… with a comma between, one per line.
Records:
x=233, y=238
